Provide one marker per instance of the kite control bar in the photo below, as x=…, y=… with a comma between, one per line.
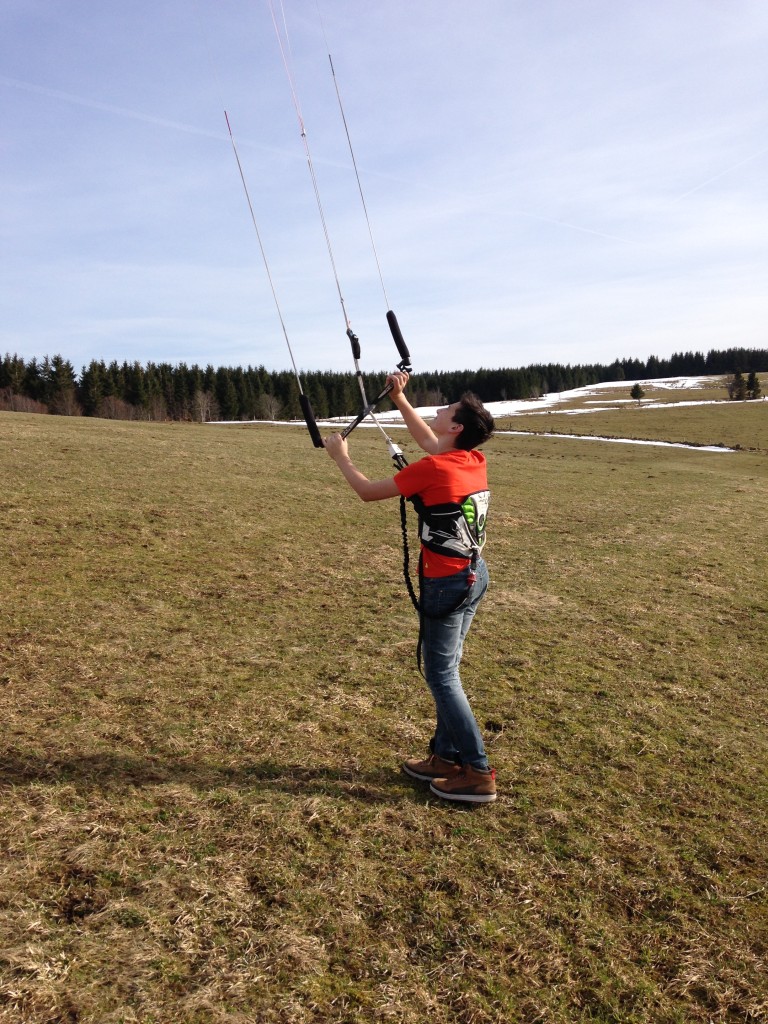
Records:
x=398, y=339
x=404, y=365
x=309, y=416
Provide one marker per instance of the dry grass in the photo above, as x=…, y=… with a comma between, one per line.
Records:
x=207, y=681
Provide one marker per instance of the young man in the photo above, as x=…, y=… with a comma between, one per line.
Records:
x=450, y=490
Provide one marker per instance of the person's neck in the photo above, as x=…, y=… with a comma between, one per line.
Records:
x=446, y=443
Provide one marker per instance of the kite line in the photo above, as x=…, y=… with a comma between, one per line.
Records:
x=368, y=406
x=306, y=406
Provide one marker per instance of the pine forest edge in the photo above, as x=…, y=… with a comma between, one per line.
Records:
x=161, y=391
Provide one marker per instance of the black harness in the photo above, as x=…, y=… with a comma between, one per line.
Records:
x=454, y=529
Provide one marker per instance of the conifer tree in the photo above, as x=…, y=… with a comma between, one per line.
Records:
x=91, y=389
x=226, y=395
x=737, y=388
x=62, y=398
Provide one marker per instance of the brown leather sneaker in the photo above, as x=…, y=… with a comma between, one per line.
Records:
x=468, y=785
x=430, y=768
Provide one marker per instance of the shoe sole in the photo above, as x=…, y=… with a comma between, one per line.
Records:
x=466, y=798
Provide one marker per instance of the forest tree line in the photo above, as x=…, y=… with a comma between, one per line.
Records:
x=161, y=391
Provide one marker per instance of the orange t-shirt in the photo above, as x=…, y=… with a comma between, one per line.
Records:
x=438, y=479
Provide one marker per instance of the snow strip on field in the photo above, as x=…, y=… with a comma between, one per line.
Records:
x=621, y=440
x=522, y=407
x=367, y=425
x=643, y=404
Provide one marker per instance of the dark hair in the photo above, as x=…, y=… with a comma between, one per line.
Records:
x=475, y=419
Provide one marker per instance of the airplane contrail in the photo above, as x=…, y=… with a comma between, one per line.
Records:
x=108, y=108
x=716, y=177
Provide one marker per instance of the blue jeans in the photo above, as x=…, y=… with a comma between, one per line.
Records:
x=457, y=736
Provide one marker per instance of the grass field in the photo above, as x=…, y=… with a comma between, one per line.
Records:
x=207, y=679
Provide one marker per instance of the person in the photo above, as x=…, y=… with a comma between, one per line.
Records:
x=449, y=488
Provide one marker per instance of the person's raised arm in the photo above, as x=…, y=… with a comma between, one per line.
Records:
x=368, y=490
x=420, y=431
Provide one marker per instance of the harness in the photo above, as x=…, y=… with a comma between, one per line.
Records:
x=454, y=529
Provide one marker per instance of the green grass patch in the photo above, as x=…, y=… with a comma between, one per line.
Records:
x=207, y=680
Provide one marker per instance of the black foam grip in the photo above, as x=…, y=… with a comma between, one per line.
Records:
x=354, y=341
x=394, y=327
x=309, y=416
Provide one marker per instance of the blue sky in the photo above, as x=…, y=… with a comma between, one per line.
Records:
x=546, y=181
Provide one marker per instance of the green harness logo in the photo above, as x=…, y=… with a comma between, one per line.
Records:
x=474, y=508
x=468, y=508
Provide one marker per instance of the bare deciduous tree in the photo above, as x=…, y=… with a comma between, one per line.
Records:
x=203, y=405
x=267, y=407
